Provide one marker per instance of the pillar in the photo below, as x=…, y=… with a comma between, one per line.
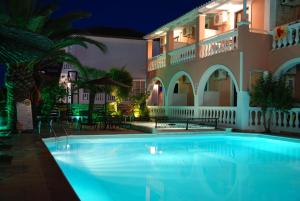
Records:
x=244, y=17
x=149, y=49
x=170, y=45
x=242, y=115
x=200, y=31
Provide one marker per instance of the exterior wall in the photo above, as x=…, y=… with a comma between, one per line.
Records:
x=121, y=52
x=257, y=16
x=280, y=57
x=223, y=87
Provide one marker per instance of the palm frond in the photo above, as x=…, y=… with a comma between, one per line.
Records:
x=58, y=26
x=69, y=41
x=98, y=44
x=18, y=45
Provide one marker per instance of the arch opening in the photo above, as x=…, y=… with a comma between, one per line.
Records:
x=218, y=87
x=291, y=75
x=157, y=93
x=181, y=90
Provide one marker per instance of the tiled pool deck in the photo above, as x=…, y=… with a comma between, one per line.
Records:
x=33, y=174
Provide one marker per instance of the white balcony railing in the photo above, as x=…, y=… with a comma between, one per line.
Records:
x=183, y=54
x=226, y=115
x=286, y=35
x=219, y=44
x=283, y=121
x=157, y=62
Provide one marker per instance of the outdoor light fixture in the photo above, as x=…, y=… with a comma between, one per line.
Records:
x=158, y=32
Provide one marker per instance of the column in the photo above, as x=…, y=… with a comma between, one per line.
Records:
x=149, y=49
x=149, y=52
x=170, y=45
x=244, y=17
x=200, y=32
x=242, y=115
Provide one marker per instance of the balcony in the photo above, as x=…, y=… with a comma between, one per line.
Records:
x=157, y=62
x=221, y=43
x=218, y=44
x=286, y=35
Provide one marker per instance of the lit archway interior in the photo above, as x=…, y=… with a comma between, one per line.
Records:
x=156, y=97
x=220, y=90
x=181, y=93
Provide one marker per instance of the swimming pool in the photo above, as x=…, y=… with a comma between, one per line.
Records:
x=180, y=167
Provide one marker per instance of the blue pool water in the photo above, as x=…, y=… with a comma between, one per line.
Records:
x=208, y=167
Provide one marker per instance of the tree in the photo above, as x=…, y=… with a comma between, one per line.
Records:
x=123, y=76
x=50, y=95
x=271, y=94
x=87, y=74
x=30, y=17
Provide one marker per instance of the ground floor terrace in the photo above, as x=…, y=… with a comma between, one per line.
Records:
x=219, y=87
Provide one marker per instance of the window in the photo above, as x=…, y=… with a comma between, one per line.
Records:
x=138, y=87
x=85, y=96
x=176, y=88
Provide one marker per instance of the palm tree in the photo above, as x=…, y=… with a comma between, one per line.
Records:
x=29, y=17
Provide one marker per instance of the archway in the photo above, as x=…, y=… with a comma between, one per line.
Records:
x=156, y=88
x=290, y=70
x=218, y=87
x=181, y=90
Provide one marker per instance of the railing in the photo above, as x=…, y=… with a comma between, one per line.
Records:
x=225, y=115
x=219, y=44
x=157, y=62
x=157, y=111
x=181, y=111
x=281, y=121
x=286, y=35
x=183, y=54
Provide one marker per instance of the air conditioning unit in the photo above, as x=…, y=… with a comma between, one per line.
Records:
x=220, y=75
x=187, y=31
x=220, y=18
x=290, y=2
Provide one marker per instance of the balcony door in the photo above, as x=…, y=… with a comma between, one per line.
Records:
x=238, y=17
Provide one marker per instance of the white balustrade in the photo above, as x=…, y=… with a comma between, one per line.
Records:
x=181, y=111
x=281, y=121
x=286, y=35
x=157, y=111
x=157, y=62
x=219, y=44
x=226, y=115
x=183, y=54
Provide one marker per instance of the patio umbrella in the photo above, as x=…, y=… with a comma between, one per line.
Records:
x=106, y=81
x=18, y=46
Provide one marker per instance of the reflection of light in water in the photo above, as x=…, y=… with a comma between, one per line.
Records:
x=152, y=150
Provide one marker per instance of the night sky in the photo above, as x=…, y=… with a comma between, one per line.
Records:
x=143, y=16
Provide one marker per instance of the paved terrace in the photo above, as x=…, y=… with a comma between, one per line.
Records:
x=33, y=175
